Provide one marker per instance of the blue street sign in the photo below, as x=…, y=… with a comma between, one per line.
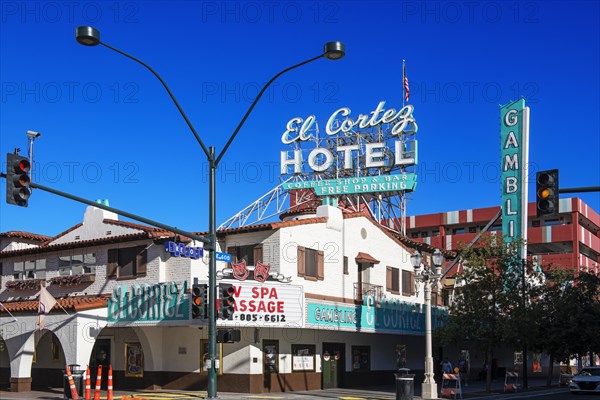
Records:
x=224, y=257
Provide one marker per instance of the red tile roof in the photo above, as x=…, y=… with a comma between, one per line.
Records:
x=80, y=303
x=25, y=235
x=78, y=244
x=366, y=257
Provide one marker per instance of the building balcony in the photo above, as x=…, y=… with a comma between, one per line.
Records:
x=24, y=284
x=71, y=280
x=364, y=289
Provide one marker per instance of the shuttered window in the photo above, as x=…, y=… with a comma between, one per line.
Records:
x=311, y=263
x=392, y=280
x=129, y=262
x=251, y=253
x=408, y=283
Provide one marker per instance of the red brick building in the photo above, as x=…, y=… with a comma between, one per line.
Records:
x=571, y=239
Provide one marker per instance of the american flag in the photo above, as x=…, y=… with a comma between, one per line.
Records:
x=405, y=81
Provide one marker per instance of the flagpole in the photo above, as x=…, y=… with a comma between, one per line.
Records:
x=403, y=80
x=62, y=308
x=9, y=313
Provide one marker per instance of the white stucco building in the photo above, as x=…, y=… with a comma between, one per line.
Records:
x=325, y=300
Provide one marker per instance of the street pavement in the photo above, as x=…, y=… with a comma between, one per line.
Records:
x=474, y=390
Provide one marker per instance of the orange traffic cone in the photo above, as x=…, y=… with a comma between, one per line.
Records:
x=87, y=384
x=109, y=393
x=74, y=394
x=98, y=382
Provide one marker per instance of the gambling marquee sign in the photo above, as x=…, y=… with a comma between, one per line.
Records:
x=514, y=139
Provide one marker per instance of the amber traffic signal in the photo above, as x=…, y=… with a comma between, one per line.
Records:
x=199, y=301
x=547, y=193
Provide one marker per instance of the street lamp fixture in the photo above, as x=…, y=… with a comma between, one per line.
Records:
x=430, y=279
x=334, y=50
x=89, y=36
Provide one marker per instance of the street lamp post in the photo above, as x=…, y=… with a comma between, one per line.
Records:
x=89, y=36
x=430, y=279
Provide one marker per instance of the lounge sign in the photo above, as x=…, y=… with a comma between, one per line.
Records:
x=166, y=301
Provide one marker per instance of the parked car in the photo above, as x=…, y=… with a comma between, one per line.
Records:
x=586, y=381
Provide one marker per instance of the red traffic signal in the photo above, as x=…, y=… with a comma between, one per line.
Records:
x=227, y=300
x=17, y=180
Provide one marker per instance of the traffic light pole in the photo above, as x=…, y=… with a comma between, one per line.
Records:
x=212, y=275
x=117, y=211
x=580, y=189
x=89, y=36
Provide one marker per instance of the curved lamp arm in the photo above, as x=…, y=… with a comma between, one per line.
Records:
x=188, y=122
x=90, y=36
x=262, y=91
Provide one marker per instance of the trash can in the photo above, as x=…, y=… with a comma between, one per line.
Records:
x=405, y=384
x=77, y=375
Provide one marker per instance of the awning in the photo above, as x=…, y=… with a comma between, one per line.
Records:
x=366, y=258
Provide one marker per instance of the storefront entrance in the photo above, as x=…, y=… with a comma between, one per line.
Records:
x=100, y=356
x=333, y=365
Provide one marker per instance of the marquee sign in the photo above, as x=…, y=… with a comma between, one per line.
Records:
x=166, y=301
x=391, y=315
x=266, y=305
x=369, y=157
x=514, y=139
x=362, y=184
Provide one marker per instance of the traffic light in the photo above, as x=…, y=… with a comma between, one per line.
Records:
x=199, y=301
x=17, y=180
x=547, y=193
x=228, y=335
x=227, y=300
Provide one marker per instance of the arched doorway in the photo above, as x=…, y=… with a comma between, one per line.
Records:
x=48, y=361
x=112, y=347
x=4, y=366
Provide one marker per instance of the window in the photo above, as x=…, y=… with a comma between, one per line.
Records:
x=551, y=222
x=77, y=264
x=424, y=234
x=270, y=356
x=251, y=253
x=414, y=235
x=311, y=263
x=535, y=223
x=458, y=231
x=472, y=229
x=408, y=283
x=346, y=272
x=435, y=233
x=361, y=358
x=392, y=280
x=303, y=357
x=128, y=262
x=30, y=269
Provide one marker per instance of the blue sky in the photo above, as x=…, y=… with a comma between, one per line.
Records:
x=109, y=129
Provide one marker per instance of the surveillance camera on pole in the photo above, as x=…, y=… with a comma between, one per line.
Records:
x=31, y=136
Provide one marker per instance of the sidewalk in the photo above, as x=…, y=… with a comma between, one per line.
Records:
x=474, y=390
